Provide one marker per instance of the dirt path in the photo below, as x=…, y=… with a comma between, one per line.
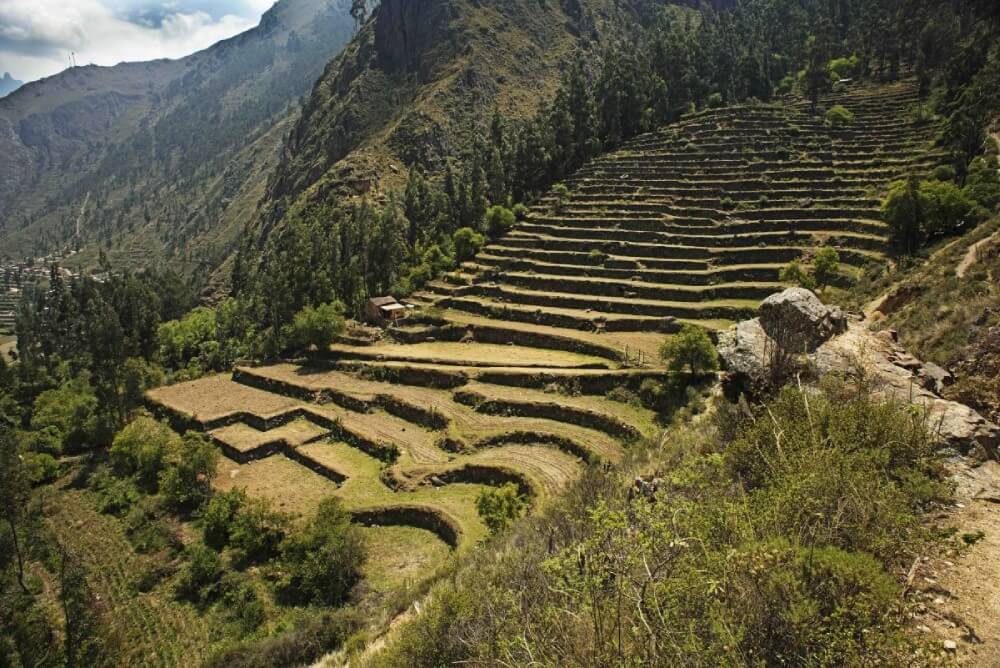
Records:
x=961, y=594
x=973, y=254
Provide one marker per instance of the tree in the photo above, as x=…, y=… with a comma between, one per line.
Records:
x=322, y=561
x=793, y=272
x=499, y=507
x=902, y=211
x=219, y=514
x=817, y=74
x=690, y=348
x=826, y=263
x=72, y=410
x=80, y=640
x=14, y=495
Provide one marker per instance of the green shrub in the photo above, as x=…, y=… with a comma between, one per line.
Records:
x=838, y=116
x=982, y=183
x=186, y=482
x=499, y=507
x=321, y=562
x=71, y=411
x=241, y=604
x=944, y=208
x=114, y=495
x=256, y=532
x=218, y=515
x=826, y=265
x=499, y=219
x=148, y=530
x=690, y=349
x=944, y=173
x=793, y=272
x=715, y=101
x=316, y=326
x=844, y=68
x=198, y=581
x=40, y=467
x=521, y=211
x=315, y=635
x=467, y=243
x=141, y=449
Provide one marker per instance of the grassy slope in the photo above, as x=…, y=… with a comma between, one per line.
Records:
x=952, y=321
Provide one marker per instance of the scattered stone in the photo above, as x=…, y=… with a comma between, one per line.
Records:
x=799, y=321
x=950, y=645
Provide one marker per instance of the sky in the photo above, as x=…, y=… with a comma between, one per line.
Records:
x=37, y=36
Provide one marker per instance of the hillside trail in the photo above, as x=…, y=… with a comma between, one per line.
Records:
x=972, y=255
x=960, y=594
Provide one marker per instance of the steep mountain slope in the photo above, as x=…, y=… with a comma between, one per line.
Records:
x=415, y=82
x=152, y=156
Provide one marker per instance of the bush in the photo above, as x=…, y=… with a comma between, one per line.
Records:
x=71, y=411
x=691, y=349
x=715, y=101
x=944, y=208
x=313, y=637
x=198, y=581
x=520, y=211
x=499, y=507
x=467, y=243
x=316, y=326
x=499, y=219
x=141, y=449
x=114, y=495
x=844, y=68
x=186, y=482
x=982, y=184
x=944, y=173
x=322, y=562
x=838, y=116
x=256, y=532
x=793, y=272
x=826, y=265
x=218, y=515
x=40, y=467
x=561, y=194
x=241, y=604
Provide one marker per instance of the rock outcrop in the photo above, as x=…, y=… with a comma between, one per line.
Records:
x=796, y=329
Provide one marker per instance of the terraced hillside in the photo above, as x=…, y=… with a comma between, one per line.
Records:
x=694, y=222
x=407, y=444
x=505, y=374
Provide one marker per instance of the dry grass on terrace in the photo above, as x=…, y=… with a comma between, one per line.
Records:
x=215, y=397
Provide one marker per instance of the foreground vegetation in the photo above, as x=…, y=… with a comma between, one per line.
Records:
x=775, y=535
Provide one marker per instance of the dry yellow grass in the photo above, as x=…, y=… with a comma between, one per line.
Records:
x=292, y=487
x=244, y=438
x=216, y=397
x=479, y=354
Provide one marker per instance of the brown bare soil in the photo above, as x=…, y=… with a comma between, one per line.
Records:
x=961, y=591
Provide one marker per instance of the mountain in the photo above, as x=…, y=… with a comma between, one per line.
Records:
x=9, y=84
x=417, y=79
x=160, y=160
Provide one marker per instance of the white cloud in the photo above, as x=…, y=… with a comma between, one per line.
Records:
x=36, y=36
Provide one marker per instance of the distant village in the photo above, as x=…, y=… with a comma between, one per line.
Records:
x=19, y=276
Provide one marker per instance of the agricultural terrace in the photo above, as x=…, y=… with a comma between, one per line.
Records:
x=504, y=375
